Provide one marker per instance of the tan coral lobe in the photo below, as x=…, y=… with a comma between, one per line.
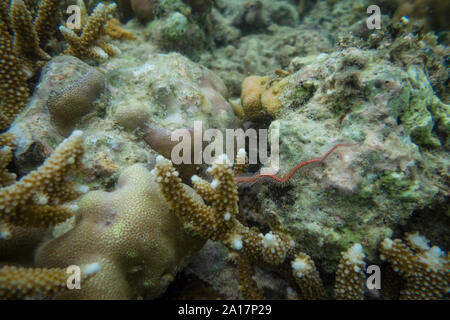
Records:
x=139, y=242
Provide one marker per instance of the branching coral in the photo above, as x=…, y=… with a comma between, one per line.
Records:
x=13, y=87
x=349, y=283
x=425, y=269
x=36, y=199
x=33, y=283
x=220, y=222
x=89, y=44
x=307, y=277
x=27, y=42
x=115, y=31
x=6, y=178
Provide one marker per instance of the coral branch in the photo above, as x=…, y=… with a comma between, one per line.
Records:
x=33, y=283
x=425, y=269
x=36, y=199
x=349, y=283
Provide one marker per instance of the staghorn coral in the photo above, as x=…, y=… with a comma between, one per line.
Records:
x=47, y=19
x=89, y=44
x=34, y=283
x=26, y=39
x=139, y=242
x=307, y=277
x=36, y=199
x=6, y=178
x=425, y=269
x=246, y=275
x=349, y=282
x=13, y=87
x=219, y=221
x=115, y=31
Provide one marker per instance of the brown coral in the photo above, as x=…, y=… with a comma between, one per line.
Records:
x=349, y=283
x=131, y=232
x=33, y=283
x=115, y=31
x=22, y=57
x=89, y=44
x=69, y=104
x=425, y=269
x=13, y=87
x=36, y=199
x=260, y=97
x=219, y=221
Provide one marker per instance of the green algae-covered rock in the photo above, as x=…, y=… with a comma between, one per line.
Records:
x=360, y=193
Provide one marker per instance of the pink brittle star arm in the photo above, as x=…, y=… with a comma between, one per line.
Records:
x=286, y=178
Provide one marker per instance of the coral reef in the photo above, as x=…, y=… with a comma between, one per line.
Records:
x=332, y=104
x=310, y=70
x=221, y=222
x=138, y=241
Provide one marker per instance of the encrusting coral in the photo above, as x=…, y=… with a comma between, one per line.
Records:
x=260, y=97
x=69, y=104
x=131, y=232
x=89, y=44
x=37, y=198
x=425, y=269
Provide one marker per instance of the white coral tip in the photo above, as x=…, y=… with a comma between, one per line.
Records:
x=92, y=268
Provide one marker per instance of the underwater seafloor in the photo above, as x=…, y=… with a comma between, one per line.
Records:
x=90, y=96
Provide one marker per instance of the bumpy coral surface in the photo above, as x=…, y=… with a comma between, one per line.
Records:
x=131, y=232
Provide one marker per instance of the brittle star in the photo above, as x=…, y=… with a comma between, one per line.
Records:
x=281, y=180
